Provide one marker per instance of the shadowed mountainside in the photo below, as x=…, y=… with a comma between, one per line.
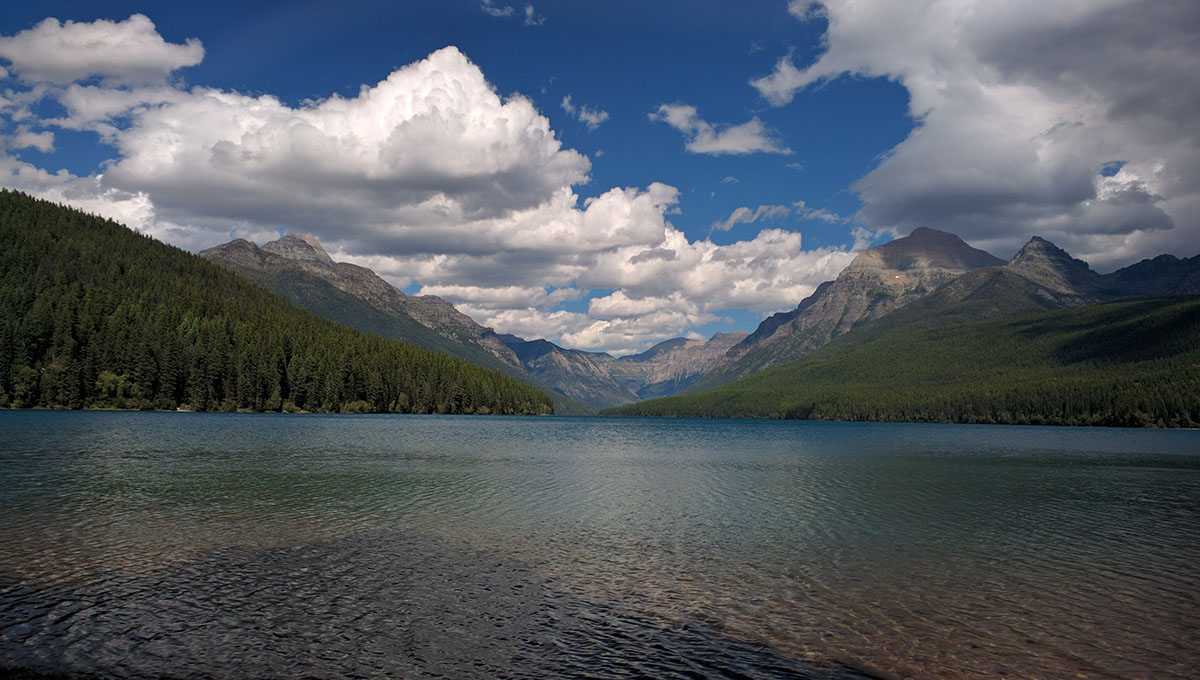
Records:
x=1118, y=364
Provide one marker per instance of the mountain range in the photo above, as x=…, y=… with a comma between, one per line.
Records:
x=934, y=274
x=299, y=269
x=1124, y=364
x=941, y=310
x=930, y=277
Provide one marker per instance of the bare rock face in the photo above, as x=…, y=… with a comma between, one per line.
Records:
x=923, y=250
x=1070, y=281
x=584, y=376
x=672, y=365
x=599, y=379
x=303, y=248
x=876, y=282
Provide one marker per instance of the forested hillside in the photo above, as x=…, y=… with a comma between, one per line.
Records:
x=1122, y=364
x=299, y=270
x=93, y=315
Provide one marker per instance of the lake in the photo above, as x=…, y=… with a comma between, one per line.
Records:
x=163, y=545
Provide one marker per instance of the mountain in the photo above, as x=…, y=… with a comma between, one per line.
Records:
x=878, y=281
x=602, y=380
x=94, y=315
x=1121, y=364
x=580, y=375
x=284, y=260
x=935, y=279
x=1041, y=276
x=298, y=269
x=673, y=365
x=1163, y=275
x=1067, y=281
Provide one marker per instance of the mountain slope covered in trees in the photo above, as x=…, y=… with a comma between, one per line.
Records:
x=1123, y=364
x=95, y=315
x=298, y=269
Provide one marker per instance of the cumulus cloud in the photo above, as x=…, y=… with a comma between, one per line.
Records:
x=590, y=117
x=429, y=177
x=432, y=145
x=1021, y=110
x=703, y=137
x=124, y=52
x=646, y=261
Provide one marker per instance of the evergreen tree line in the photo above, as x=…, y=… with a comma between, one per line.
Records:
x=93, y=315
x=1133, y=364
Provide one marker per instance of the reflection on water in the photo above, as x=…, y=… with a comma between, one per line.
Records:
x=210, y=545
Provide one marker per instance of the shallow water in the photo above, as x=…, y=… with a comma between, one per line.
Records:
x=155, y=545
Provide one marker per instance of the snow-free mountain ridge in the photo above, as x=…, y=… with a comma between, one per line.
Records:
x=928, y=274
x=934, y=275
x=298, y=267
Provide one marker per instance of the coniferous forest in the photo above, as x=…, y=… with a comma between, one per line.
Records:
x=94, y=315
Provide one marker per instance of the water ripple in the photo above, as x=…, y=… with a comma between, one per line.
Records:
x=190, y=545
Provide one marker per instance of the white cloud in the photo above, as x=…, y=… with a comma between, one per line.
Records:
x=703, y=137
x=532, y=18
x=730, y=179
x=744, y=215
x=593, y=118
x=498, y=12
x=493, y=298
x=627, y=335
x=1020, y=106
x=42, y=141
x=124, y=52
x=429, y=147
x=428, y=177
x=822, y=214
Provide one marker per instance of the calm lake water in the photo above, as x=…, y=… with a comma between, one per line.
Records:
x=163, y=545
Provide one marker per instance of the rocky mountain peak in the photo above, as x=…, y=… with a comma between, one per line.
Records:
x=1039, y=248
x=924, y=248
x=1048, y=265
x=301, y=248
x=238, y=252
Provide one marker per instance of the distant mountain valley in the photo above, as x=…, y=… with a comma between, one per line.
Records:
x=297, y=267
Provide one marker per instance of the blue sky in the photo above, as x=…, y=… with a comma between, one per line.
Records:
x=714, y=162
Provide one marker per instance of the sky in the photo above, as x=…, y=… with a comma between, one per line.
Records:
x=610, y=175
